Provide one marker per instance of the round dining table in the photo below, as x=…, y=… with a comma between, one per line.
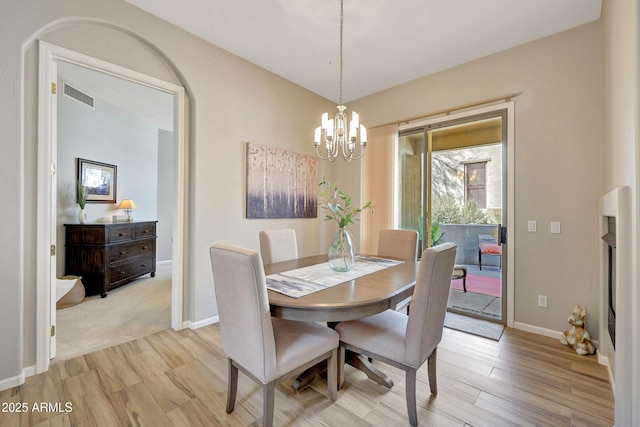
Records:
x=354, y=299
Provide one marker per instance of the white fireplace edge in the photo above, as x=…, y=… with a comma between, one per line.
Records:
x=617, y=203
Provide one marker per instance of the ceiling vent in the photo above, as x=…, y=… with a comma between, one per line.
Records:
x=79, y=96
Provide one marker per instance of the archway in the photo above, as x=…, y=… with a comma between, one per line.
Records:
x=49, y=54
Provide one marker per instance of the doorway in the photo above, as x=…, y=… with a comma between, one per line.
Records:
x=452, y=186
x=48, y=244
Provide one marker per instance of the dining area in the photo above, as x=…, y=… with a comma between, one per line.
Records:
x=286, y=317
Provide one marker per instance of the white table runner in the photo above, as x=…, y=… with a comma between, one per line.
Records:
x=307, y=280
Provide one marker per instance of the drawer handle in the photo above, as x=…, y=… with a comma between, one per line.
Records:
x=145, y=231
x=144, y=248
x=122, y=253
x=122, y=273
x=143, y=265
x=120, y=234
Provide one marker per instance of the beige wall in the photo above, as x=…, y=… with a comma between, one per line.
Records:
x=230, y=102
x=557, y=168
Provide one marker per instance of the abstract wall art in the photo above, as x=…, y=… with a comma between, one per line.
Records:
x=280, y=183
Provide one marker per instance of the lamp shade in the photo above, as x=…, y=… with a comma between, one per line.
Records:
x=127, y=204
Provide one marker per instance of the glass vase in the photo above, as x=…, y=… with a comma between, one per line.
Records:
x=341, y=251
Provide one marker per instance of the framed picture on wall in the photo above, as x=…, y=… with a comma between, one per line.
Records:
x=100, y=180
x=280, y=183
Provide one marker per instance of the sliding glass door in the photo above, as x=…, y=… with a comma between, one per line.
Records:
x=451, y=187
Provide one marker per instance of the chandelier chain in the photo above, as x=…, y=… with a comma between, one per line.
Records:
x=341, y=20
x=339, y=135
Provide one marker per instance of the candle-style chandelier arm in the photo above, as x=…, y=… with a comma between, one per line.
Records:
x=333, y=136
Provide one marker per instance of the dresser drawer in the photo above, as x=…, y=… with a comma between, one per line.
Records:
x=130, y=250
x=121, y=233
x=127, y=270
x=145, y=230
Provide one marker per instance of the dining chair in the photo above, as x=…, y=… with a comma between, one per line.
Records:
x=402, y=245
x=278, y=245
x=398, y=244
x=406, y=341
x=269, y=350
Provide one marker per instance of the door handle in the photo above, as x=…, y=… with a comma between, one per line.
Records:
x=502, y=234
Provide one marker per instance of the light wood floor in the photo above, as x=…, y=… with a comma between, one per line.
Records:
x=179, y=379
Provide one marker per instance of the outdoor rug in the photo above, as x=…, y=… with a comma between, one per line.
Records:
x=480, y=284
x=473, y=326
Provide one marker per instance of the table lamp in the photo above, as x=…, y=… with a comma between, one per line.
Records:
x=128, y=206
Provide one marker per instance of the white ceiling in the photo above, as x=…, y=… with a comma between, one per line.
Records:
x=386, y=43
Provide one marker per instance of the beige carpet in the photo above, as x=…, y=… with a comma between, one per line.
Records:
x=134, y=310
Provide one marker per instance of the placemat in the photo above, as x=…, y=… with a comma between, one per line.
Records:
x=307, y=280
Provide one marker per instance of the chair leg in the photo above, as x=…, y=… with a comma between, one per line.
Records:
x=268, y=395
x=464, y=282
x=332, y=375
x=232, y=386
x=410, y=394
x=480, y=260
x=431, y=368
x=340, y=363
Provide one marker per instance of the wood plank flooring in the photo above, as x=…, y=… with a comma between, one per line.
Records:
x=179, y=379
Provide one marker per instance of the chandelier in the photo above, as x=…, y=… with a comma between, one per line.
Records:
x=332, y=134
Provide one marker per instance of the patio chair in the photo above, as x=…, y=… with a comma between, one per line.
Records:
x=460, y=272
x=488, y=245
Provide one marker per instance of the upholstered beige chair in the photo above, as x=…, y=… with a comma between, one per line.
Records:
x=278, y=245
x=398, y=244
x=269, y=350
x=407, y=341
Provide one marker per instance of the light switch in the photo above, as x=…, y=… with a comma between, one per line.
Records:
x=532, y=226
x=555, y=227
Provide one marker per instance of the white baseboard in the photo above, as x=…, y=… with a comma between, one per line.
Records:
x=537, y=330
x=604, y=360
x=29, y=371
x=199, y=324
x=13, y=381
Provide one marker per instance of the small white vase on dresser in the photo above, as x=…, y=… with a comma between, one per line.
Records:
x=82, y=216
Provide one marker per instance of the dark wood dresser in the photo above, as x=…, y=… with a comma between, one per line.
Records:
x=110, y=255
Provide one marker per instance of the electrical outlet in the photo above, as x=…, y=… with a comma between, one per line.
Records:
x=542, y=301
x=532, y=226
x=555, y=227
